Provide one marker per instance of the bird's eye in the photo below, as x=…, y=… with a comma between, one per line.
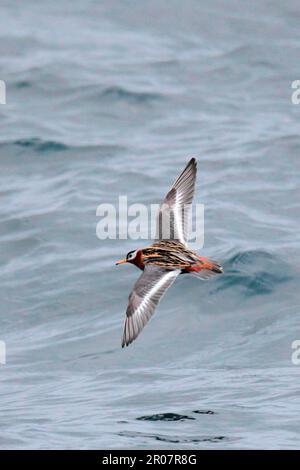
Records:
x=130, y=256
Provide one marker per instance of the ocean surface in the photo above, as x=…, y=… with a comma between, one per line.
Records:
x=113, y=98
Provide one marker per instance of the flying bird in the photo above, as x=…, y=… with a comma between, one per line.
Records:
x=168, y=257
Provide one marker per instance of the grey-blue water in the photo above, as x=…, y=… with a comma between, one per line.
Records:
x=108, y=98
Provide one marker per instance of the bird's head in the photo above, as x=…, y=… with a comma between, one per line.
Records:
x=130, y=258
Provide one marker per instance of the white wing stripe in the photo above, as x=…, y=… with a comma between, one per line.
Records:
x=144, y=298
x=178, y=220
x=160, y=284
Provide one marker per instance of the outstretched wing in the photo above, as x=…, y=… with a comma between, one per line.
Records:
x=145, y=296
x=172, y=220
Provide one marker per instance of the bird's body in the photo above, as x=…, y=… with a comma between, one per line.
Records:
x=171, y=254
x=168, y=257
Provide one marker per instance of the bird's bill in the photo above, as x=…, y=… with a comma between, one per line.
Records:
x=122, y=261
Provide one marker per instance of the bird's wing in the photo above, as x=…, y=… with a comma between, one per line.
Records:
x=145, y=296
x=172, y=220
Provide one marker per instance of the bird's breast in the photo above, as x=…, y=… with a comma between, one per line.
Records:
x=139, y=260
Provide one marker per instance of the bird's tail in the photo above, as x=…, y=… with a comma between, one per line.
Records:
x=206, y=268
